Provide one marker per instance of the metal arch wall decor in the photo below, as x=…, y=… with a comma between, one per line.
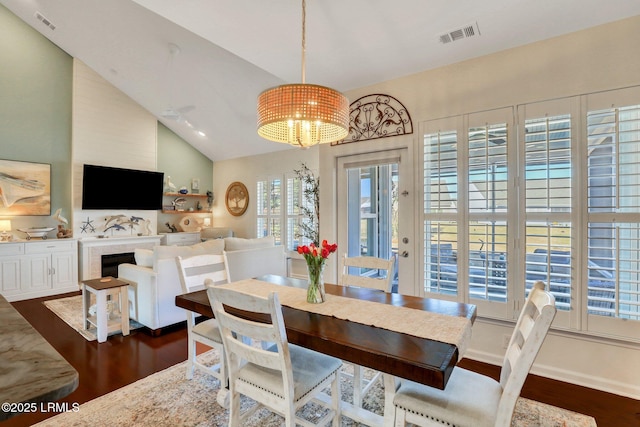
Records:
x=376, y=116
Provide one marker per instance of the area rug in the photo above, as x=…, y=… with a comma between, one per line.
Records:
x=167, y=398
x=69, y=309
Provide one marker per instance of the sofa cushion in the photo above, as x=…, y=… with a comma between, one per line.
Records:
x=237, y=243
x=143, y=257
x=215, y=233
x=171, y=252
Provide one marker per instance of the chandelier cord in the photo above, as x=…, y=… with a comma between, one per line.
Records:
x=304, y=38
x=302, y=114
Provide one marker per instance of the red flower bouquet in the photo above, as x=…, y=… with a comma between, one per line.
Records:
x=316, y=257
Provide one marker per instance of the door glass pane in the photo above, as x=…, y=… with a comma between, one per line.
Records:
x=373, y=213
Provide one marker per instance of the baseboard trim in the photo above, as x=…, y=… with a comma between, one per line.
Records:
x=598, y=383
x=41, y=293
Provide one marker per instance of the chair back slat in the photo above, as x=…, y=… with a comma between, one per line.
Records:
x=246, y=352
x=529, y=334
x=373, y=263
x=249, y=263
x=236, y=330
x=194, y=271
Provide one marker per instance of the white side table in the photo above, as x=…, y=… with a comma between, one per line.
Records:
x=105, y=289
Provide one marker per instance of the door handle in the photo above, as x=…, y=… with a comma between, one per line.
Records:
x=404, y=254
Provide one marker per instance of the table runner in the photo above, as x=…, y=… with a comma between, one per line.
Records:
x=453, y=330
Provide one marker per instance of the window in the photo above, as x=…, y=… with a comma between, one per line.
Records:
x=613, y=182
x=274, y=210
x=551, y=194
x=487, y=175
x=547, y=194
x=468, y=156
x=440, y=212
x=269, y=208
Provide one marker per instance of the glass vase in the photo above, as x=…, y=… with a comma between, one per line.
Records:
x=315, y=289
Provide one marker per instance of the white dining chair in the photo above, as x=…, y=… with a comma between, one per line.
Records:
x=283, y=378
x=376, y=280
x=194, y=272
x=371, y=281
x=247, y=263
x=472, y=399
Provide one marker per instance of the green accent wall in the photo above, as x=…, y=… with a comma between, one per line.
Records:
x=179, y=160
x=36, y=84
x=35, y=105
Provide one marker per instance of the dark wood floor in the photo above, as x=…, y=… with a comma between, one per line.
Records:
x=122, y=360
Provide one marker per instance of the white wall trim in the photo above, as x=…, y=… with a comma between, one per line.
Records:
x=573, y=377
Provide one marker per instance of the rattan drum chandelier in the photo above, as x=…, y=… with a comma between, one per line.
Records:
x=303, y=114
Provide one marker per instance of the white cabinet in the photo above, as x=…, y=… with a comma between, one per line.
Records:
x=38, y=268
x=181, y=239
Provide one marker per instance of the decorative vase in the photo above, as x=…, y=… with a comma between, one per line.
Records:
x=315, y=289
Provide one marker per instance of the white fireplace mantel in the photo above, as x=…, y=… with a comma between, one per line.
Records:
x=92, y=248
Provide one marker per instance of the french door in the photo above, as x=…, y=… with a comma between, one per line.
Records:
x=375, y=211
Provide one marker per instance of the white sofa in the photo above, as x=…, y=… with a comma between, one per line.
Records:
x=154, y=282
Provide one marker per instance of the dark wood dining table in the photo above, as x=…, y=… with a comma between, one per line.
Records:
x=401, y=355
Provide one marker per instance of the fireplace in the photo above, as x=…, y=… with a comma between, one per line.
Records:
x=110, y=263
x=92, y=250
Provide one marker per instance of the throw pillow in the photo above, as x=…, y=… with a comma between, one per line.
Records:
x=214, y=247
x=171, y=252
x=237, y=243
x=143, y=257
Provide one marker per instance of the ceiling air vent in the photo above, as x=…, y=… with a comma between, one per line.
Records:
x=467, y=31
x=44, y=20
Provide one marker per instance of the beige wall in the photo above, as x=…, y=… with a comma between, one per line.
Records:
x=247, y=170
x=593, y=60
x=597, y=59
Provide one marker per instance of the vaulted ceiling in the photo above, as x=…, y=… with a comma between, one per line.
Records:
x=200, y=64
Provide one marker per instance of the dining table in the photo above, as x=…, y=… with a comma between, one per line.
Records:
x=399, y=348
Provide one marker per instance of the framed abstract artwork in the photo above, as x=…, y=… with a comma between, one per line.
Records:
x=25, y=188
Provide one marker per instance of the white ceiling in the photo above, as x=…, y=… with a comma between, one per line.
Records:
x=231, y=50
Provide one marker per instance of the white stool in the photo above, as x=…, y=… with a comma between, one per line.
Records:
x=106, y=288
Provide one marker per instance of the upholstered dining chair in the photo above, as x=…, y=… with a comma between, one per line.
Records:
x=361, y=386
x=282, y=378
x=194, y=272
x=471, y=399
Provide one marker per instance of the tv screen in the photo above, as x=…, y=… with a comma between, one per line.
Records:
x=115, y=188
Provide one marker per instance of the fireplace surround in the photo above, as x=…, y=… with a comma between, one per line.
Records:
x=93, y=248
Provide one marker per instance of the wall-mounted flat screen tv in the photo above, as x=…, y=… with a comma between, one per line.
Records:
x=111, y=188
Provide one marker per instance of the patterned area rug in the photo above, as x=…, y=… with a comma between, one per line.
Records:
x=167, y=398
x=70, y=311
